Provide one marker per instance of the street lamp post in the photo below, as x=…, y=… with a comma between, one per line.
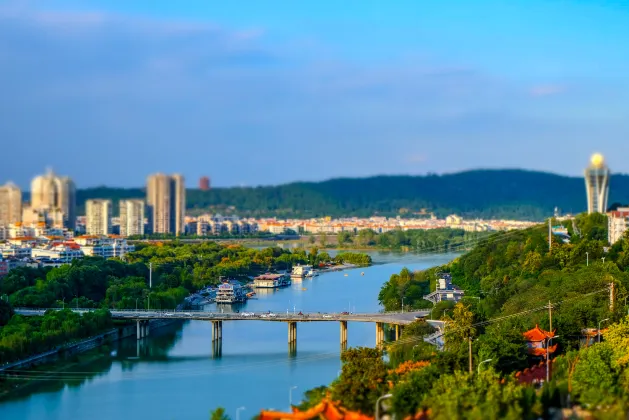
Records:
x=402, y=304
x=599, y=328
x=136, y=304
x=384, y=397
x=587, y=259
x=481, y=363
x=290, y=396
x=238, y=412
x=548, y=340
x=64, y=302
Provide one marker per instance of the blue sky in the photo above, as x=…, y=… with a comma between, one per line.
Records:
x=266, y=92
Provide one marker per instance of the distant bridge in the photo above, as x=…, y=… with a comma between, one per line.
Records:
x=142, y=318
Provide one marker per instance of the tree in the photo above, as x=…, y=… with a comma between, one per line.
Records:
x=505, y=345
x=462, y=395
x=409, y=394
x=219, y=414
x=313, y=397
x=459, y=328
x=6, y=312
x=362, y=379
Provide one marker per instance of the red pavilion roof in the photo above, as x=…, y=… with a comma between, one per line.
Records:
x=538, y=334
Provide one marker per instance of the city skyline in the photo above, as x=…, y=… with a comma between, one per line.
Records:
x=360, y=90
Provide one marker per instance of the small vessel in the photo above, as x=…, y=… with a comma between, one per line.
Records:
x=300, y=271
x=303, y=288
x=362, y=273
x=345, y=275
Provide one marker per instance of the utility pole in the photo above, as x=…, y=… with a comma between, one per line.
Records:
x=550, y=316
x=611, y=297
x=587, y=259
x=150, y=275
x=470, y=357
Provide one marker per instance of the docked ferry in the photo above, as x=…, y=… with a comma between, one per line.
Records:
x=301, y=271
x=231, y=292
x=271, y=281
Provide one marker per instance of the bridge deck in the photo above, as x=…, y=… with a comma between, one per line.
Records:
x=395, y=318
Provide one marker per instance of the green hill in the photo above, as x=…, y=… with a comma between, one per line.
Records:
x=509, y=193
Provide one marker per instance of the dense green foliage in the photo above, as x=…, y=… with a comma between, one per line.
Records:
x=24, y=336
x=515, y=275
x=177, y=270
x=353, y=258
x=513, y=194
x=419, y=240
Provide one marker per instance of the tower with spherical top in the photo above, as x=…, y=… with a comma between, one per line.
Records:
x=597, y=184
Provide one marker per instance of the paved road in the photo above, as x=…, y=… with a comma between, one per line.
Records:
x=395, y=318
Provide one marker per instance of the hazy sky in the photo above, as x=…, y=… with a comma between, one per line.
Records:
x=255, y=92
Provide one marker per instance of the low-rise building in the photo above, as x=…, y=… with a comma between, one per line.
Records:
x=64, y=252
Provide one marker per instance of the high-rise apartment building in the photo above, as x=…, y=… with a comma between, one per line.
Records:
x=131, y=217
x=51, y=192
x=597, y=184
x=166, y=200
x=10, y=204
x=98, y=217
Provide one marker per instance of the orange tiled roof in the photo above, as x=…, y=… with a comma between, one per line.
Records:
x=325, y=410
x=537, y=334
x=540, y=351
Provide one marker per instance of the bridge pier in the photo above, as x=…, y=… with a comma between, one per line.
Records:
x=217, y=339
x=142, y=329
x=292, y=332
x=343, y=335
x=379, y=334
x=217, y=330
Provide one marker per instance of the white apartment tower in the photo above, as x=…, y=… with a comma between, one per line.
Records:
x=10, y=204
x=597, y=184
x=131, y=217
x=166, y=200
x=50, y=192
x=98, y=217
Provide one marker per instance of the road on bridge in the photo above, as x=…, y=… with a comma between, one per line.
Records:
x=394, y=318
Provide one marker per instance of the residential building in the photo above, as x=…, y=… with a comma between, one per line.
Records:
x=10, y=204
x=166, y=199
x=597, y=184
x=8, y=250
x=32, y=217
x=64, y=252
x=98, y=217
x=51, y=192
x=617, y=222
x=105, y=247
x=131, y=217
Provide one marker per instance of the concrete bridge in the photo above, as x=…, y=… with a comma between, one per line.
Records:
x=142, y=318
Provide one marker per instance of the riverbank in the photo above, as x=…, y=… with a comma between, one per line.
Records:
x=12, y=375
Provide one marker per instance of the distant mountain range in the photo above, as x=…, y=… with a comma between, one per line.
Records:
x=509, y=193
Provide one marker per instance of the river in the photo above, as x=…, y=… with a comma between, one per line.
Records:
x=172, y=375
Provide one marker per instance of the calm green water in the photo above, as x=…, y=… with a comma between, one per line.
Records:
x=172, y=375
